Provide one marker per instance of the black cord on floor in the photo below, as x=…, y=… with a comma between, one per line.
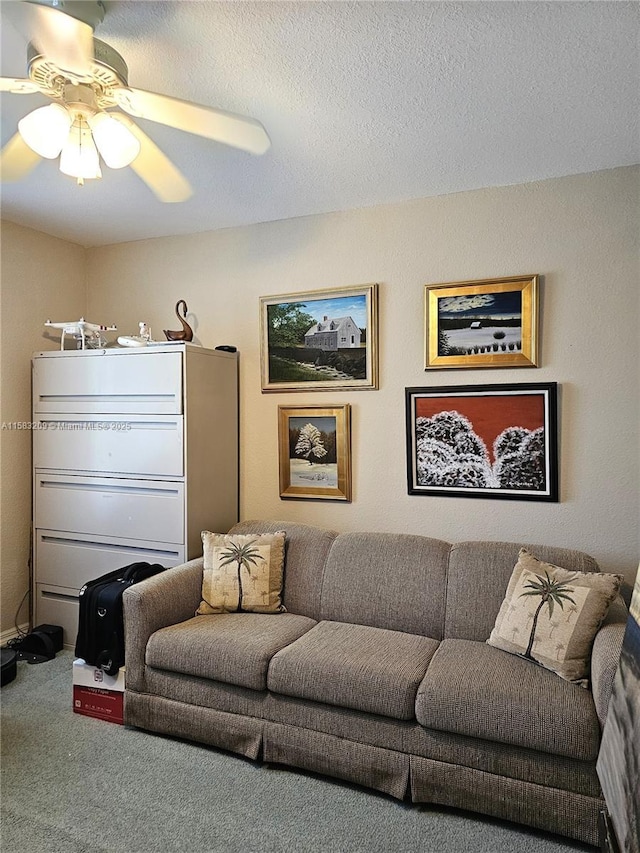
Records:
x=21, y=634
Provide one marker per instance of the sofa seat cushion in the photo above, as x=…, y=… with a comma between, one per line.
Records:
x=473, y=689
x=231, y=647
x=354, y=666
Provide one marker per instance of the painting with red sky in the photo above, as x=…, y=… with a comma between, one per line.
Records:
x=483, y=441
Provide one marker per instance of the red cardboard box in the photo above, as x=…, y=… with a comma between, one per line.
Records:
x=96, y=694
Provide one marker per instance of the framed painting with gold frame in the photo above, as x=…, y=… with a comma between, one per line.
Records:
x=485, y=323
x=319, y=340
x=315, y=452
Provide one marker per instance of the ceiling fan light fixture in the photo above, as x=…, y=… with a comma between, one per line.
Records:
x=86, y=78
x=46, y=130
x=79, y=157
x=115, y=142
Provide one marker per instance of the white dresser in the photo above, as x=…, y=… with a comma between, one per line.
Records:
x=135, y=452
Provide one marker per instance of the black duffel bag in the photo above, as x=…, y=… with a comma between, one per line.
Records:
x=100, y=640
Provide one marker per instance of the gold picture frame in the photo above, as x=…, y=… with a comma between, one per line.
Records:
x=484, y=323
x=314, y=444
x=319, y=340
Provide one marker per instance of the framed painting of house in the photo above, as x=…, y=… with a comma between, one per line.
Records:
x=487, y=323
x=483, y=441
x=320, y=339
x=315, y=452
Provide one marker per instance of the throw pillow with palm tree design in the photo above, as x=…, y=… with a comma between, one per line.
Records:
x=242, y=573
x=551, y=616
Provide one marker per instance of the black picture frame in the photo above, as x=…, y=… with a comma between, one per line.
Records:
x=483, y=441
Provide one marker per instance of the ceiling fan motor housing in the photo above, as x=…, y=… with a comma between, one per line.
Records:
x=106, y=71
x=80, y=99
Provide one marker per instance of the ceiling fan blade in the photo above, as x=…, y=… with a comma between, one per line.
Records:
x=238, y=131
x=18, y=86
x=154, y=168
x=63, y=39
x=17, y=159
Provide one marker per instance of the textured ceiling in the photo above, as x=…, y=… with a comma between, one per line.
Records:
x=365, y=103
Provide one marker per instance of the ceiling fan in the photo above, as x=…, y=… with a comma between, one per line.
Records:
x=86, y=79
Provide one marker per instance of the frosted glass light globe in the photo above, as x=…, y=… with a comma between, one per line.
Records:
x=46, y=130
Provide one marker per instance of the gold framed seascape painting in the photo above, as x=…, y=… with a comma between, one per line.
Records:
x=320, y=339
x=315, y=452
x=485, y=323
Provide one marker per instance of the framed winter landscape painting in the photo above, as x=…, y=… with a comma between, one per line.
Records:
x=488, y=323
x=315, y=452
x=488, y=441
x=320, y=339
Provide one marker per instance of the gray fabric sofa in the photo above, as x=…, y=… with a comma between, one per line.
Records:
x=379, y=673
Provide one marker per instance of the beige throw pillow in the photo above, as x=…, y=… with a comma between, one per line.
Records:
x=551, y=615
x=242, y=573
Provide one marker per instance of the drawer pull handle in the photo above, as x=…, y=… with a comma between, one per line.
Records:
x=106, y=398
x=102, y=611
x=58, y=596
x=72, y=425
x=96, y=487
x=110, y=546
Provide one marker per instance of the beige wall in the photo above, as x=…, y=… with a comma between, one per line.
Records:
x=41, y=277
x=580, y=233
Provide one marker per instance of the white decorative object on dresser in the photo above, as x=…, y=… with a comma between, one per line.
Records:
x=135, y=452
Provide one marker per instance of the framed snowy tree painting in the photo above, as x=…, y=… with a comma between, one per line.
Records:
x=488, y=441
x=315, y=452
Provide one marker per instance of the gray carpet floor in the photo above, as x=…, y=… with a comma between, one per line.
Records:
x=72, y=784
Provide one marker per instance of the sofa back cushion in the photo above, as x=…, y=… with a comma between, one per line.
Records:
x=386, y=580
x=479, y=574
x=306, y=550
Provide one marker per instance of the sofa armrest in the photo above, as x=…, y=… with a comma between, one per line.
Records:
x=605, y=656
x=165, y=599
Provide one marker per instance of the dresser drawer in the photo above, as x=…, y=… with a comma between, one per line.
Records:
x=151, y=510
x=105, y=382
x=71, y=559
x=115, y=444
x=58, y=606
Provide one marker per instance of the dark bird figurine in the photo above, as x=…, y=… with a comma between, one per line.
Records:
x=187, y=332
